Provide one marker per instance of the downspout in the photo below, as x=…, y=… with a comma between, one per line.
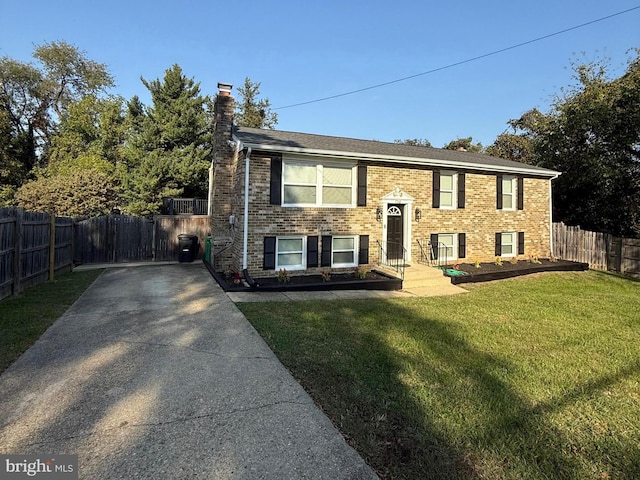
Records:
x=209, y=203
x=551, y=245
x=245, y=234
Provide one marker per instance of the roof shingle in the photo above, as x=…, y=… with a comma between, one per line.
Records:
x=295, y=142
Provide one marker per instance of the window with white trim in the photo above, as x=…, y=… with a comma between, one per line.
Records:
x=508, y=193
x=290, y=253
x=447, y=247
x=508, y=245
x=318, y=184
x=448, y=194
x=344, y=251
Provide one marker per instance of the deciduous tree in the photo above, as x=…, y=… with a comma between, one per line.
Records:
x=416, y=142
x=69, y=75
x=85, y=192
x=90, y=135
x=34, y=98
x=592, y=135
x=512, y=146
x=464, y=144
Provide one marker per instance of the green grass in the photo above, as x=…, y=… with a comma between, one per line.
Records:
x=24, y=318
x=536, y=377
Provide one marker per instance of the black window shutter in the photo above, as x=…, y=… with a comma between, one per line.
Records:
x=520, y=243
x=275, y=182
x=269, y=259
x=436, y=189
x=362, y=185
x=498, y=244
x=461, y=190
x=462, y=245
x=325, y=257
x=312, y=251
x=499, y=192
x=520, y=193
x=363, y=253
x=434, y=245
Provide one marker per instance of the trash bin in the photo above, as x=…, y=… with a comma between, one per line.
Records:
x=188, y=247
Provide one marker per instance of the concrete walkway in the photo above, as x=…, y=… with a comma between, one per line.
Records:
x=344, y=294
x=154, y=373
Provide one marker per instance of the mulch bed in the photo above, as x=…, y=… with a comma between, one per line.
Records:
x=491, y=271
x=338, y=281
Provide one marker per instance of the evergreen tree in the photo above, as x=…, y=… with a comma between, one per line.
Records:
x=169, y=143
x=251, y=112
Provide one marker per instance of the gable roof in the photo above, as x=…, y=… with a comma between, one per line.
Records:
x=340, y=147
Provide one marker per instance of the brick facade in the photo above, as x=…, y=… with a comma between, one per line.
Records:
x=480, y=220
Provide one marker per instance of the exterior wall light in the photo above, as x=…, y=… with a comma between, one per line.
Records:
x=418, y=214
x=379, y=214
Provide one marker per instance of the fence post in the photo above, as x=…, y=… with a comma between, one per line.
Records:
x=52, y=246
x=153, y=239
x=73, y=243
x=113, y=223
x=17, y=253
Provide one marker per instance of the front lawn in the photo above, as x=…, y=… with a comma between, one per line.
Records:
x=536, y=377
x=24, y=318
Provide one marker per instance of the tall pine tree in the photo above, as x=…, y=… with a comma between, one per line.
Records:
x=170, y=143
x=251, y=112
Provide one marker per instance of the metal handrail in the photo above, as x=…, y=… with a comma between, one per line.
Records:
x=440, y=246
x=424, y=258
x=397, y=264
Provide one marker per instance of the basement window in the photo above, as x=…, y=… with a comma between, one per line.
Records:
x=344, y=251
x=290, y=253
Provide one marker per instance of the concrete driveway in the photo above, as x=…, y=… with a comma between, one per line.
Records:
x=154, y=373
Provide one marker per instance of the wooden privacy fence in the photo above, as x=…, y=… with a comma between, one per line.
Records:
x=121, y=238
x=33, y=247
x=112, y=239
x=601, y=251
x=167, y=229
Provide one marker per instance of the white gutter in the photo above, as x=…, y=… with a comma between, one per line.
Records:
x=398, y=159
x=245, y=234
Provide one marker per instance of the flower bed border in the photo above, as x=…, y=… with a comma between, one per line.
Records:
x=387, y=283
x=558, y=266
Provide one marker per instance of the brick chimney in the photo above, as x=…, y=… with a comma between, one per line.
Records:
x=223, y=108
x=225, y=161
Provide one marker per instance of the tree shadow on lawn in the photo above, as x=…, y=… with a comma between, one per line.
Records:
x=369, y=388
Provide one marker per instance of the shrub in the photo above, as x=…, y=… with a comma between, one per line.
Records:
x=83, y=193
x=283, y=276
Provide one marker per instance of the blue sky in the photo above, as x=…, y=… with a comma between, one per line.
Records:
x=304, y=50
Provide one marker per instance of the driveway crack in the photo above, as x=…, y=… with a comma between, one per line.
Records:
x=126, y=425
x=198, y=350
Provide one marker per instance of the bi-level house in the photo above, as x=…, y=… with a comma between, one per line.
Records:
x=309, y=203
